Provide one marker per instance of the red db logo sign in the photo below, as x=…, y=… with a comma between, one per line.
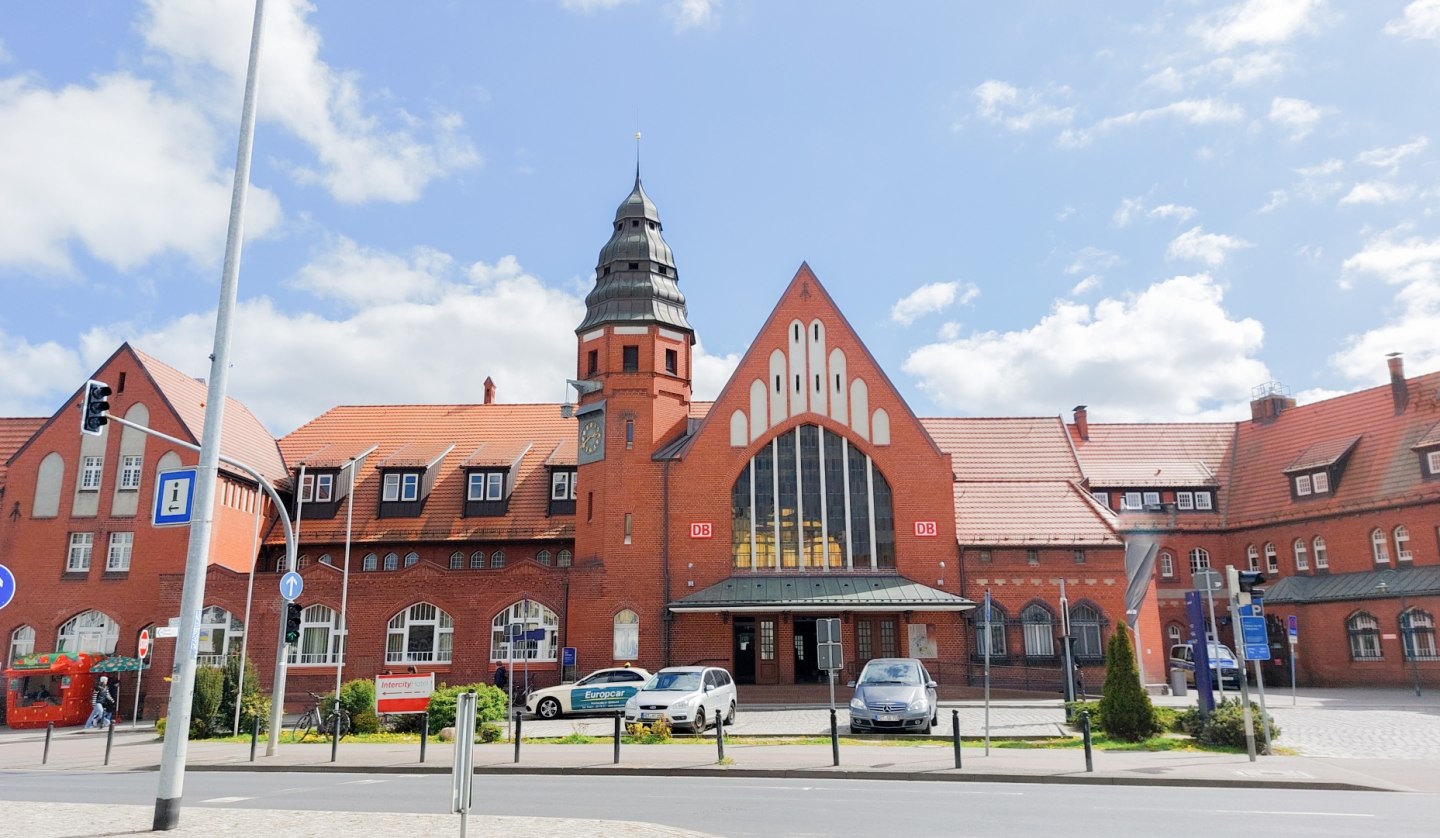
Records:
x=926, y=529
x=702, y=529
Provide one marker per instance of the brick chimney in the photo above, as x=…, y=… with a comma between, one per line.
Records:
x=1399, y=390
x=489, y=390
x=1082, y=423
x=1269, y=400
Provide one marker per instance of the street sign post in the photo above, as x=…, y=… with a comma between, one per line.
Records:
x=7, y=586
x=829, y=653
x=142, y=649
x=1292, y=628
x=1256, y=642
x=174, y=497
x=291, y=584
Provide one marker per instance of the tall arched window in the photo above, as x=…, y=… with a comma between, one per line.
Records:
x=518, y=620
x=91, y=631
x=1302, y=557
x=1417, y=629
x=627, y=636
x=1322, y=558
x=421, y=633
x=996, y=636
x=1252, y=557
x=1085, y=623
x=220, y=634
x=811, y=499
x=1272, y=559
x=497, y=559
x=370, y=562
x=319, y=637
x=1199, y=560
x=1173, y=633
x=563, y=559
x=392, y=561
x=1364, y=634
x=477, y=560
x=22, y=643
x=412, y=558
x=457, y=560
x=1167, y=565
x=1378, y=546
x=1039, y=626
x=1402, y=544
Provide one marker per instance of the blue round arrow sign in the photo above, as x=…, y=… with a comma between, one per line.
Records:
x=291, y=584
x=7, y=586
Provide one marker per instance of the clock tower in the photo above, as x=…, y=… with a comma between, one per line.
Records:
x=633, y=373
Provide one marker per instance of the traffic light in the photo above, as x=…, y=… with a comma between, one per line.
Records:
x=94, y=407
x=1249, y=579
x=292, y=622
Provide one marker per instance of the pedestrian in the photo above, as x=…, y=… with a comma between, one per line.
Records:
x=502, y=678
x=98, y=698
x=112, y=702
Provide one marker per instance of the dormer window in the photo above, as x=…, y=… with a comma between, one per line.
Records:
x=562, y=491
x=402, y=487
x=1132, y=501
x=1432, y=463
x=1319, y=467
x=317, y=487
x=485, y=486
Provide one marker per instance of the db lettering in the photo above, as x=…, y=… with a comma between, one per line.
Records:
x=702, y=529
x=926, y=529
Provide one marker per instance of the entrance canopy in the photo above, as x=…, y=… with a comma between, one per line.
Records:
x=820, y=592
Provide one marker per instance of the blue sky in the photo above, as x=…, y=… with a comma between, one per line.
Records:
x=1146, y=207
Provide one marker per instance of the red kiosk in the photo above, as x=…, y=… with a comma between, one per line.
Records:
x=50, y=687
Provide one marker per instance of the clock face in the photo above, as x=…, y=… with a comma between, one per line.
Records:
x=590, y=436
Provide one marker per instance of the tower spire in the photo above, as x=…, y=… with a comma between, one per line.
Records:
x=637, y=157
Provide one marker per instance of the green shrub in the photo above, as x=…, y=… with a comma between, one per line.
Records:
x=160, y=727
x=654, y=733
x=205, y=703
x=1225, y=727
x=1076, y=707
x=489, y=705
x=1125, y=709
x=487, y=732
x=253, y=704
x=358, y=699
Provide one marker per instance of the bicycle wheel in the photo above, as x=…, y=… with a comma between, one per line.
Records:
x=304, y=725
x=344, y=721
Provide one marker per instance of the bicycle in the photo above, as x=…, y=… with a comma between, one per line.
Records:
x=318, y=719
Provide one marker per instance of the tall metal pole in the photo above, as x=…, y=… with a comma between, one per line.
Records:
x=1213, y=636
x=1412, y=649
x=282, y=657
x=987, y=672
x=192, y=596
x=249, y=598
x=1239, y=640
x=1069, y=679
x=353, y=466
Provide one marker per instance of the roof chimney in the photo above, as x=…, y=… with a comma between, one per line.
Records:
x=489, y=390
x=1082, y=423
x=1269, y=400
x=1399, y=390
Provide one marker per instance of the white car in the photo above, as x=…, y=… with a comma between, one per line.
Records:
x=685, y=696
x=603, y=689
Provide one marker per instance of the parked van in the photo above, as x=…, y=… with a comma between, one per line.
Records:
x=1223, y=664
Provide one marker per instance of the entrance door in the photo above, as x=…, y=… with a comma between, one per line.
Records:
x=744, y=650
x=807, y=668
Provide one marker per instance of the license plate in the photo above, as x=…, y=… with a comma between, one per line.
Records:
x=652, y=715
x=887, y=717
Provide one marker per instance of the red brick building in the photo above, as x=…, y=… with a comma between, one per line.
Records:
x=636, y=524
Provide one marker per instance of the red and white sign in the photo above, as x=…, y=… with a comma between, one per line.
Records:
x=926, y=529
x=142, y=649
x=403, y=693
x=702, y=529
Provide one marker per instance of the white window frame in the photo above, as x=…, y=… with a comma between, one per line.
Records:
x=561, y=486
x=1321, y=481
x=1379, y=548
x=1402, y=544
x=392, y=561
x=131, y=466
x=324, y=487
x=1433, y=459
x=89, y=631
x=1203, y=502
x=1322, y=557
x=485, y=486
x=1152, y=498
x=1167, y=565
x=1302, y=558
x=401, y=487
x=1272, y=558
x=1199, y=560
x=220, y=636
x=1172, y=633
x=399, y=647
x=22, y=643
x=1303, y=488
x=319, y=637
x=1132, y=501
x=1184, y=501
x=1252, y=557
x=370, y=562
x=82, y=548
x=538, y=616
x=1039, y=635
x=117, y=556
x=626, y=640
x=1102, y=497
x=495, y=485
x=90, y=473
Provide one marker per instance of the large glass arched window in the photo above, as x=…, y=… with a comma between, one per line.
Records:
x=810, y=499
x=92, y=631
x=1402, y=544
x=519, y=622
x=1272, y=558
x=1085, y=621
x=1199, y=560
x=319, y=637
x=1039, y=630
x=1364, y=634
x=1378, y=547
x=22, y=643
x=220, y=635
x=996, y=634
x=1302, y=558
x=421, y=633
x=627, y=636
x=1322, y=558
x=1252, y=558
x=1417, y=629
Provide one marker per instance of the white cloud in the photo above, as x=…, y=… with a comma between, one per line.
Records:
x=711, y=372
x=1296, y=115
x=35, y=377
x=931, y=298
x=1377, y=192
x=118, y=168
x=1178, y=212
x=1391, y=157
x=1257, y=23
x=1211, y=248
x=1413, y=322
x=1128, y=209
x=1397, y=261
x=1089, y=283
x=1193, y=111
x=362, y=276
x=1170, y=352
x=692, y=14
x=591, y=5
x=1018, y=110
x=359, y=158
x=1421, y=20
x=1092, y=260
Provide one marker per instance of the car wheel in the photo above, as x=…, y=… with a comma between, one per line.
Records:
x=730, y=719
x=854, y=731
x=700, y=719
x=929, y=726
x=548, y=708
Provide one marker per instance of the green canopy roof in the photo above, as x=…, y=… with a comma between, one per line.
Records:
x=820, y=592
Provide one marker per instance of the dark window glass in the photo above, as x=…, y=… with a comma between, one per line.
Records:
x=765, y=507
x=859, y=511
x=810, y=500
x=630, y=358
x=884, y=523
x=740, y=517
x=672, y=361
x=789, y=515
x=835, y=498
x=592, y=363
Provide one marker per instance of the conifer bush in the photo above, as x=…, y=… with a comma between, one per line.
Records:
x=1125, y=709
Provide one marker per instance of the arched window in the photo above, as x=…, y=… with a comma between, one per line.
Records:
x=1039, y=626
x=563, y=559
x=220, y=634
x=1302, y=557
x=1167, y=565
x=1379, y=547
x=996, y=636
x=1272, y=559
x=1252, y=557
x=319, y=637
x=1402, y=544
x=412, y=558
x=421, y=633
x=302, y=562
x=22, y=643
x=1085, y=623
x=1364, y=634
x=370, y=562
x=1173, y=633
x=457, y=560
x=1199, y=560
x=497, y=559
x=520, y=620
x=91, y=631
x=325, y=559
x=627, y=636
x=1417, y=629
x=392, y=561
x=811, y=499
x=477, y=560
x=543, y=557
x=1322, y=558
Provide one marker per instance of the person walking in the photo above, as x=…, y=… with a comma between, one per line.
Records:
x=112, y=699
x=98, y=699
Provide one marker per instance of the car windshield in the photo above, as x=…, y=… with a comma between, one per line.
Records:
x=1218, y=653
x=891, y=673
x=679, y=681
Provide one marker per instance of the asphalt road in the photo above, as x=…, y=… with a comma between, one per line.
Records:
x=740, y=807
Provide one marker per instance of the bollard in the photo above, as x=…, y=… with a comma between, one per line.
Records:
x=424, y=733
x=518, y=724
x=720, y=735
x=109, y=739
x=955, y=728
x=618, y=714
x=1085, y=731
x=254, y=736
x=834, y=738
x=335, y=729
x=49, y=731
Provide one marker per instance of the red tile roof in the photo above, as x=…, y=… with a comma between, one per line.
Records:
x=1036, y=448
x=564, y=453
x=15, y=432
x=417, y=455
x=481, y=433
x=1031, y=514
x=332, y=456
x=1322, y=454
x=1168, y=455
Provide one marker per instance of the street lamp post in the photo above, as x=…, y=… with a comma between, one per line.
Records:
x=1406, y=631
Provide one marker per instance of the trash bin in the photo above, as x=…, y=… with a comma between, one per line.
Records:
x=1177, y=682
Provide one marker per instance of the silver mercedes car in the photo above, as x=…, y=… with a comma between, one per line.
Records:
x=894, y=695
